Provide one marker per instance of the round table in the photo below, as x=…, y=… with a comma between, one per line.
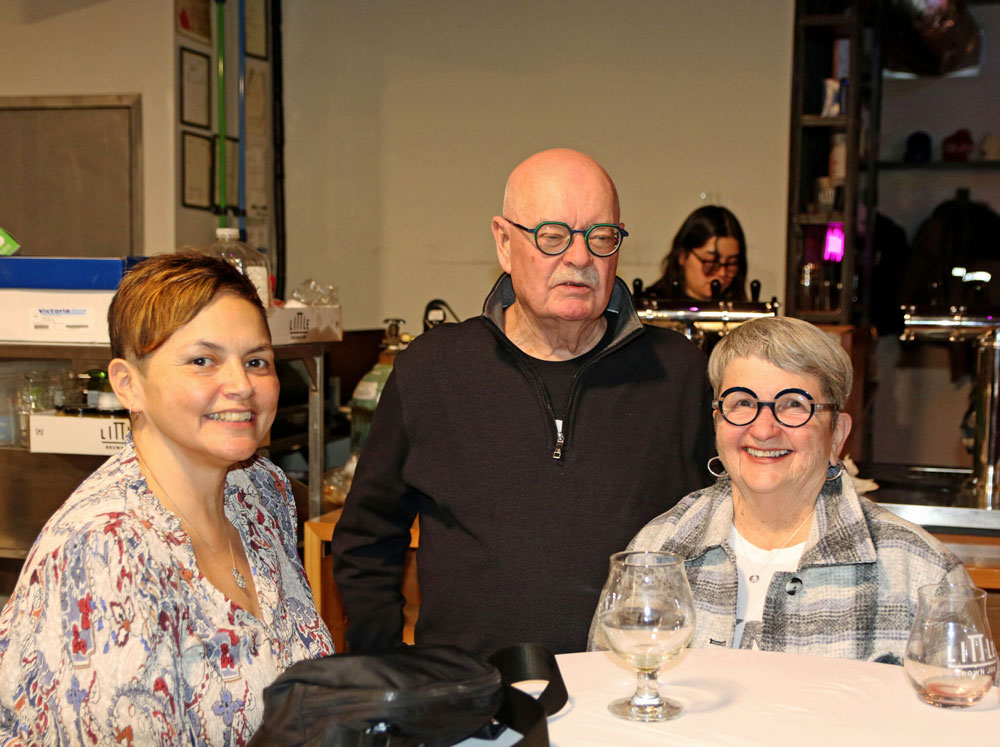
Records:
x=742, y=698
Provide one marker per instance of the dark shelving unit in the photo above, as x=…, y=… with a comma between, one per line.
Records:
x=818, y=287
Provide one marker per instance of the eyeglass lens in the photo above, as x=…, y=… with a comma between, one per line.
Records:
x=555, y=238
x=712, y=264
x=791, y=409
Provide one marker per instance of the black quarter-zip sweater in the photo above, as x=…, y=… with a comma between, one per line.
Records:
x=516, y=526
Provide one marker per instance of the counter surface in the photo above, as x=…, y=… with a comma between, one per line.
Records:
x=933, y=497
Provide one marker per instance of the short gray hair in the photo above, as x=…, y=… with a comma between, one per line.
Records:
x=790, y=344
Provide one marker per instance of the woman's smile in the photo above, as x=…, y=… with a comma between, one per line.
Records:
x=232, y=417
x=766, y=453
x=764, y=456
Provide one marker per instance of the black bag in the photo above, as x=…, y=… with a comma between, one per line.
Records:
x=420, y=696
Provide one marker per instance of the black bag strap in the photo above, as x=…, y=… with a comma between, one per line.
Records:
x=520, y=711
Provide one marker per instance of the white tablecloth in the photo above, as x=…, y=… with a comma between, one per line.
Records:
x=741, y=698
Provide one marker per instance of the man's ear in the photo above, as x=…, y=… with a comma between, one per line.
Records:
x=501, y=235
x=127, y=383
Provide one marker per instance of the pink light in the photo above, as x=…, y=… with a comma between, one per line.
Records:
x=833, y=249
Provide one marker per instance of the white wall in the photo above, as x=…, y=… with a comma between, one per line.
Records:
x=404, y=119
x=79, y=47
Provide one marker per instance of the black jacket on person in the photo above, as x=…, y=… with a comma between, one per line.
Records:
x=514, y=542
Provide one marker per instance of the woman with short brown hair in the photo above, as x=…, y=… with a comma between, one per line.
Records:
x=167, y=592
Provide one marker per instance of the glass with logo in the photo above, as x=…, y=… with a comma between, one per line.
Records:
x=951, y=660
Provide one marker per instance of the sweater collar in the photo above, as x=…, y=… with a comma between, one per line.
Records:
x=839, y=534
x=621, y=311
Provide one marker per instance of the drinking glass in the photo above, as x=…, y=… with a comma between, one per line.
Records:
x=950, y=657
x=647, y=614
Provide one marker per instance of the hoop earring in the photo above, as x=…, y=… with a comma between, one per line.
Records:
x=840, y=471
x=721, y=473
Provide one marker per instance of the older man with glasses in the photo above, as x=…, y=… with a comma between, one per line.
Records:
x=533, y=441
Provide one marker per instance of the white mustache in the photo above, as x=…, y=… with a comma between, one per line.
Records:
x=581, y=275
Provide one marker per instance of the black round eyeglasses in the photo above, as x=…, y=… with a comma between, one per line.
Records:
x=792, y=408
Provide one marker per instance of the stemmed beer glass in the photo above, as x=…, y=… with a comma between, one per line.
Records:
x=950, y=657
x=647, y=615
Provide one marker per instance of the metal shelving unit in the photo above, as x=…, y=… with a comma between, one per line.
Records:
x=33, y=485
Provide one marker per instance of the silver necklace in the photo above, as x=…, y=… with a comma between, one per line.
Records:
x=237, y=576
x=754, y=577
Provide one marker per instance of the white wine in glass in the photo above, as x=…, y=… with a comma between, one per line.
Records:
x=647, y=615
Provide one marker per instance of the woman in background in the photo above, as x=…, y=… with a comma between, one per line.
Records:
x=709, y=246
x=166, y=593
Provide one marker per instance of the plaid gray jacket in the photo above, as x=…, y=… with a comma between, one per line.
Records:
x=853, y=596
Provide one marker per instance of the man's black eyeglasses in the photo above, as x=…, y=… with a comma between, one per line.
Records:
x=554, y=237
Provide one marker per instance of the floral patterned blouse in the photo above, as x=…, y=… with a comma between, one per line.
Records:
x=113, y=636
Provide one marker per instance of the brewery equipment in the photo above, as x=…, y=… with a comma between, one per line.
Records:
x=702, y=322
x=978, y=326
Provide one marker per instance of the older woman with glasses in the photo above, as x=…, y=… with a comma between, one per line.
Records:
x=781, y=552
x=709, y=246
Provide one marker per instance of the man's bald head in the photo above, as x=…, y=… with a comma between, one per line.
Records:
x=536, y=178
x=558, y=296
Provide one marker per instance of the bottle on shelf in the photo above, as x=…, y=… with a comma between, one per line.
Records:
x=31, y=397
x=97, y=381
x=807, y=290
x=364, y=400
x=247, y=260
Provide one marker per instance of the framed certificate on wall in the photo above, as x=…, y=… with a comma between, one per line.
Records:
x=196, y=171
x=194, y=19
x=196, y=88
x=256, y=28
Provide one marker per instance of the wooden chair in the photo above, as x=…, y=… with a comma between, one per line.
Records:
x=319, y=570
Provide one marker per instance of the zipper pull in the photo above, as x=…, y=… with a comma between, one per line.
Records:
x=557, y=454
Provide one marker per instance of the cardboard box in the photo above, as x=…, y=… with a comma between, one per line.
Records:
x=58, y=299
x=72, y=434
x=64, y=273
x=29, y=315
x=304, y=324
x=81, y=316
